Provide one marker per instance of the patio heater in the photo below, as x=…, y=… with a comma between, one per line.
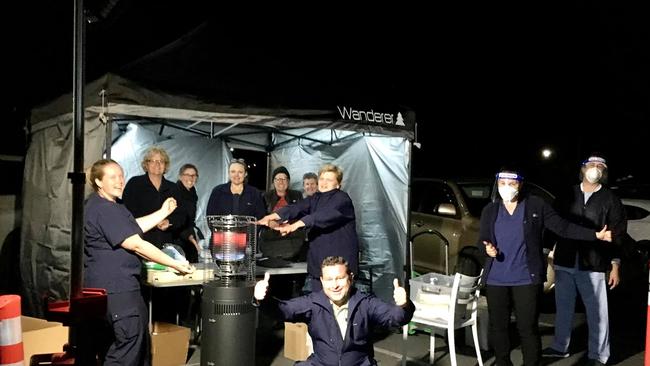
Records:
x=228, y=316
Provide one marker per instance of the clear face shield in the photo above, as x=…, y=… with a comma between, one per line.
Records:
x=594, y=169
x=507, y=186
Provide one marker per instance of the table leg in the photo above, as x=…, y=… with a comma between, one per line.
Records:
x=150, y=309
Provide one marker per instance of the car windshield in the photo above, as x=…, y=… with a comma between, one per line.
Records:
x=477, y=196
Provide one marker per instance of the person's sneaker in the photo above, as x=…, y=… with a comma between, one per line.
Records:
x=552, y=352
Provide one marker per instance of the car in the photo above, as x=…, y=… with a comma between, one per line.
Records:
x=638, y=218
x=635, y=197
x=445, y=214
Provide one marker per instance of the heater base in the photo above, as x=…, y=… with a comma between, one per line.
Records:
x=229, y=324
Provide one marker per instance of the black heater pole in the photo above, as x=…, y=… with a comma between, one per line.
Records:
x=77, y=177
x=83, y=307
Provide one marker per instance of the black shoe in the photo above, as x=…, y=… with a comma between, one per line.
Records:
x=594, y=363
x=551, y=352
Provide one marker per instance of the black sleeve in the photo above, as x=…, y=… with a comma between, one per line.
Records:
x=484, y=230
x=260, y=209
x=130, y=197
x=178, y=217
x=564, y=228
x=617, y=221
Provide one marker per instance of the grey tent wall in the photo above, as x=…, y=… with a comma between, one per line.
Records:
x=47, y=210
x=375, y=175
x=210, y=156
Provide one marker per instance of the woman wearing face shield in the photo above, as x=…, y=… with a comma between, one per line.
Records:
x=511, y=238
x=581, y=266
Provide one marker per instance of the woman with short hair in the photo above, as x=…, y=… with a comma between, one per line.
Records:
x=329, y=217
x=236, y=197
x=143, y=194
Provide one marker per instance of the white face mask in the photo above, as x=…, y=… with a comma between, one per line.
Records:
x=507, y=193
x=593, y=175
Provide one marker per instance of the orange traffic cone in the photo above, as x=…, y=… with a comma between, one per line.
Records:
x=11, y=334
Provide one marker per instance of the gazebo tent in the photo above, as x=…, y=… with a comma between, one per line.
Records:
x=371, y=145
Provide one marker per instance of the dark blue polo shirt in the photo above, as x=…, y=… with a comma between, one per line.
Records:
x=248, y=203
x=510, y=267
x=106, y=264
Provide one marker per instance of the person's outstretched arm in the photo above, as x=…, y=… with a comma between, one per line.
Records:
x=146, y=223
x=294, y=310
x=389, y=315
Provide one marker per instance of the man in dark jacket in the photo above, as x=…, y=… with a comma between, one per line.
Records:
x=580, y=266
x=339, y=317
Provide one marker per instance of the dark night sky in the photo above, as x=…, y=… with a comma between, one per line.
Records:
x=487, y=84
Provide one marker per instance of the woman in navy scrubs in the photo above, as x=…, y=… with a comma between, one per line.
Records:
x=329, y=216
x=236, y=197
x=113, y=245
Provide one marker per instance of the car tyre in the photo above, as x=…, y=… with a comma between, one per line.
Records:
x=469, y=261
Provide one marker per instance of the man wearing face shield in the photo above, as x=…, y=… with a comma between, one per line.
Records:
x=511, y=238
x=581, y=266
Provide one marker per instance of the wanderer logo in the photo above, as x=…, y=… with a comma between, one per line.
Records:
x=371, y=116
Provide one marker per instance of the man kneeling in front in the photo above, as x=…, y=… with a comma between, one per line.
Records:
x=339, y=317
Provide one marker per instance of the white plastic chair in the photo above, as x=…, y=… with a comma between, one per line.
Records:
x=456, y=310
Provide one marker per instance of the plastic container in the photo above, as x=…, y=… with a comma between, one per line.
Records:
x=434, y=283
x=431, y=294
x=174, y=251
x=154, y=266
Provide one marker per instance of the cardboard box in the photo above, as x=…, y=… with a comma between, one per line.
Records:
x=297, y=342
x=169, y=344
x=41, y=337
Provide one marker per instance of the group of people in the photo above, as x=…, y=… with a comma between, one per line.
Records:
x=590, y=224
x=115, y=239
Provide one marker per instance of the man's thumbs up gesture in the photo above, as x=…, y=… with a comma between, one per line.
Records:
x=604, y=234
x=261, y=287
x=399, y=294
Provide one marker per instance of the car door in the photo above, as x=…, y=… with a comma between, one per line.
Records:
x=434, y=207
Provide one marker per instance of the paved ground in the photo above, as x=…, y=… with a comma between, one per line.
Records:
x=628, y=306
x=388, y=352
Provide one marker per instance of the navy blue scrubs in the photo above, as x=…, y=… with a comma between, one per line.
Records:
x=107, y=265
x=223, y=202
